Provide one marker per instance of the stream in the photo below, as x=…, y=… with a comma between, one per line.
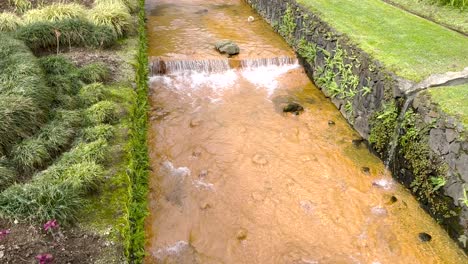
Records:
x=236, y=180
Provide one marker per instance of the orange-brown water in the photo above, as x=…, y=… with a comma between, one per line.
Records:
x=235, y=180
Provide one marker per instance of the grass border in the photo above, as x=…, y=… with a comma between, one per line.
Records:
x=138, y=167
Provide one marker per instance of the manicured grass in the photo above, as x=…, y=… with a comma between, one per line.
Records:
x=453, y=100
x=410, y=46
x=445, y=15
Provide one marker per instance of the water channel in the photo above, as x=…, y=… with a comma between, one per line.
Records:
x=236, y=180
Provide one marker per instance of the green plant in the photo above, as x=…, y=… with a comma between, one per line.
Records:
x=9, y=22
x=19, y=118
x=307, y=50
x=40, y=201
x=101, y=131
x=56, y=135
x=65, y=33
x=114, y=15
x=138, y=165
x=132, y=5
x=55, y=12
x=102, y=112
x=94, y=72
x=438, y=182
x=95, y=151
x=20, y=73
x=20, y=5
x=61, y=74
x=83, y=176
x=288, y=25
x=383, y=125
x=30, y=154
x=7, y=173
x=92, y=93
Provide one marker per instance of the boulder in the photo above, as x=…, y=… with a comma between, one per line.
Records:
x=227, y=47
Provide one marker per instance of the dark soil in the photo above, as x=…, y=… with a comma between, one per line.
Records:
x=25, y=242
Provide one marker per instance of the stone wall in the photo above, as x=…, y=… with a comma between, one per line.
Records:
x=362, y=89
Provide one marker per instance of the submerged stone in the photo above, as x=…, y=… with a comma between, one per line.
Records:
x=358, y=142
x=259, y=159
x=331, y=122
x=365, y=170
x=241, y=234
x=227, y=47
x=424, y=237
x=294, y=108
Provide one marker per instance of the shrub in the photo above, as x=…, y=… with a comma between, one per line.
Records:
x=30, y=154
x=57, y=65
x=20, y=5
x=9, y=22
x=55, y=12
x=94, y=72
x=102, y=131
x=102, y=112
x=114, y=15
x=19, y=118
x=69, y=32
x=40, y=201
x=92, y=93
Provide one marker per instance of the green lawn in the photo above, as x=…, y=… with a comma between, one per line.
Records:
x=410, y=46
x=449, y=16
x=453, y=100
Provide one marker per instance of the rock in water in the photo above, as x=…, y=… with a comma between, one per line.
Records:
x=228, y=47
x=424, y=237
x=241, y=234
x=294, y=108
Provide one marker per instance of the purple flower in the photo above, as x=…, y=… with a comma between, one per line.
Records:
x=51, y=224
x=4, y=232
x=45, y=258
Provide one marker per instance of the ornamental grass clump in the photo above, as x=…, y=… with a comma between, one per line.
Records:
x=84, y=176
x=62, y=74
x=40, y=201
x=55, y=12
x=7, y=173
x=101, y=131
x=132, y=5
x=102, y=112
x=114, y=15
x=92, y=93
x=95, y=151
x=20, y=5
x=20, y=73
x=94, y=72
x=56, y=135
x=19, y=118
x=65, y=34
x=9, y=22
x=30, y=154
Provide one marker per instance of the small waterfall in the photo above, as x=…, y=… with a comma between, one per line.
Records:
x=396, y=132
x=263, y=62
x=160, y=66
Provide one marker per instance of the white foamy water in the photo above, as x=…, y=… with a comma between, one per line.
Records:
x=180, y=172
x=188, y=82
x=172, y=250
x=383, y=183
x=266, y=76
x=200, y=184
